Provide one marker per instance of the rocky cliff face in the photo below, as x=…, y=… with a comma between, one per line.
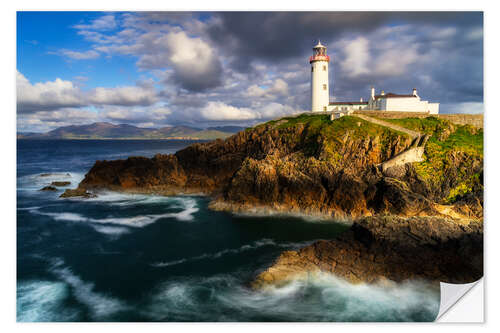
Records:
x=301, y=165
x=311, y=165
x=377, y=248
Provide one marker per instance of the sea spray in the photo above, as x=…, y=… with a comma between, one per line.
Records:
x=322, y=297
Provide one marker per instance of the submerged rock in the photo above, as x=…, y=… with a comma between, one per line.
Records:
x=394, y=248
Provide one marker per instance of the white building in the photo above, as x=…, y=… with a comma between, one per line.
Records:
x=405, y=103
x=320, y=97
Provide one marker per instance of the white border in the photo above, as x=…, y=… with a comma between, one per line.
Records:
x=8, y=123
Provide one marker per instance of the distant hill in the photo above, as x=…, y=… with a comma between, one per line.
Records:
x=104, y=130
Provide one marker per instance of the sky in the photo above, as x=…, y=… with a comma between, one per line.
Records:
x=157, y=69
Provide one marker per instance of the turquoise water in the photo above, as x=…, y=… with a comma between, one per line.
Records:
x=123, y=257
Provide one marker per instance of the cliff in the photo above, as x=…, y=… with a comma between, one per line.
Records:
x=411, y=220
x=312, y=165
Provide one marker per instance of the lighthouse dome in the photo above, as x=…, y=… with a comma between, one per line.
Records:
x=319, y=45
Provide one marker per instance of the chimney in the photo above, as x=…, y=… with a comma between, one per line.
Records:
x=361, y=99
x=373, y=93
x=382, y=93
x=414, y=93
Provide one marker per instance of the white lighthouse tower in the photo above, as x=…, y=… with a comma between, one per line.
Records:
x=320, y=96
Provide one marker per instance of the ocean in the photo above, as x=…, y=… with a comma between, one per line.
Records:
x=124, y=257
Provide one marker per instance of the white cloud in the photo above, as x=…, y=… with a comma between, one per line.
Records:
x=372, y=56
x=394, y=60
x=356, y=57
x=222, y=111
x=46, y=95
x=219, y=111
x=278, y=88
x=131, y=95
x=44, y=121
x=106, y=22
x=90, y=54
x=57, y=94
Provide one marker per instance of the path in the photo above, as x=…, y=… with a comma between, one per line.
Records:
x=414, y=153
x=412, y=134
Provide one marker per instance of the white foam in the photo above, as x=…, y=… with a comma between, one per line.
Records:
x=321, y=297
x=34, y=182
x=189, y=208
x=247, y=247
x=100, y=305
x=111, y=230
x=42, y=301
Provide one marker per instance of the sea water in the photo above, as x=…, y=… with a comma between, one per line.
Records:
x=128, y=257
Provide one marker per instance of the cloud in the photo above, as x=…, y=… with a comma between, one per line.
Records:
x=250, y=66
x=222, y=111
x=219, y=111
x=90, y=54
x=48, y=95
x=279, y=88
x=124, y=96
x=195, y=64
x=356, y=57
x=105, y=22
x=57, y=94
x=44, y=121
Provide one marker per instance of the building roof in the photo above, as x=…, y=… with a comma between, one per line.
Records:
x=391, y=95
x=348, y=103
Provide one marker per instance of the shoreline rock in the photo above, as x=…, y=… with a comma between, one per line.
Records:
x=389, y=247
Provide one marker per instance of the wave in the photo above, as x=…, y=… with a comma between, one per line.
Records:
x=42, y=301
x=189, y=207
x=100, y=305
x=247, y=247
x=34, y=182
x=320, y=297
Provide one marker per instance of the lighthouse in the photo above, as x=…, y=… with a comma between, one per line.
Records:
x=319, y=78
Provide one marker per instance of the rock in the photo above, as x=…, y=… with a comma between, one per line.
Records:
x=300, y=169
x=78, y=192
x=60, y=183
x=48, y=188
x=393, y=248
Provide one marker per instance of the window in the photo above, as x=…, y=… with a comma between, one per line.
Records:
x=324, y=68
x=312, y=68
x=324, y=87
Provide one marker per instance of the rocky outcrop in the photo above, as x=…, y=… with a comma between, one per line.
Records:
x=311, y=165
x=326, y=170
x=48, y=188
x=79, y=192
x=398, y=249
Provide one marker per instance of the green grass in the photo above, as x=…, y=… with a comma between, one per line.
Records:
x=446, y=139
x=326, y=136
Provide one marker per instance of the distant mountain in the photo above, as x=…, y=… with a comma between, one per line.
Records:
x=104, y=130
x=229, y=129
